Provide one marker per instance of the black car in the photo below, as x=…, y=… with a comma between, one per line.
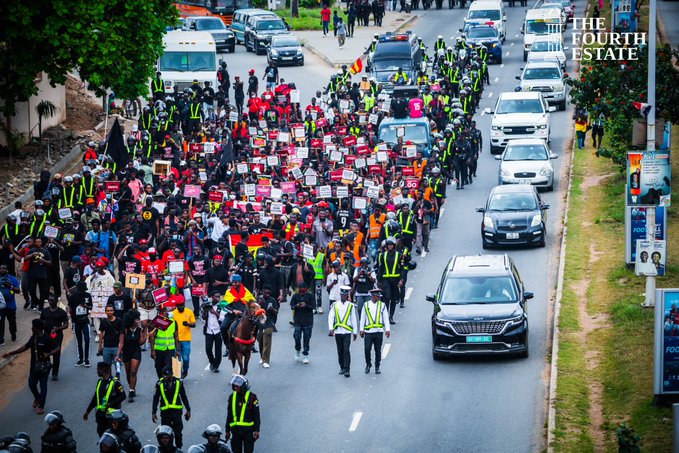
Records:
x=223, y=36
x=285, y=49
x=513, y=215
x=480, y=308
x=261, y=29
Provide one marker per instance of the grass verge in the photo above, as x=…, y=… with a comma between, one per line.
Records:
x=309, y=19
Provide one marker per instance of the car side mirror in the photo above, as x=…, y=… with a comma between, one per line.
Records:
x=545, y=206
x=301, y=44
x=480, y=209
x=522, y=32
x=553, y=156
x=552, y=108
x=193, y=26
x=460, y=30
x=431, y=298
x=498, y=157
x=528, y=295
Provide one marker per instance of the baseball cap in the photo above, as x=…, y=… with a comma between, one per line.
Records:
x=117, y=285
x=152, y=250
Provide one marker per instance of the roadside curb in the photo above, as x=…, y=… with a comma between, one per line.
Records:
x=554, y=362
x=63, y=164
x=338, y=63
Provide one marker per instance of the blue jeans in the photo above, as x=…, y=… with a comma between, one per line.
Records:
x=33, y=380
x=109, y=355
x=326, y=27
x=361, y=299
x=373, y=248
x=297, y=335
x=185, y=356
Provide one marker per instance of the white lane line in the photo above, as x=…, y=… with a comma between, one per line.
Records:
x=507, y=53
x=516, y=35
x=511, y=44
x=409, y=291
x=496, y=79
x=385, y=350
x=502, y=65
x=490, y=95
x=355, y=421
x=483, y=113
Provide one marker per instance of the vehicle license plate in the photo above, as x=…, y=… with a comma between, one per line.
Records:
x=524, y=181
x=478, y=339
x=512, y=235
x=287, y=58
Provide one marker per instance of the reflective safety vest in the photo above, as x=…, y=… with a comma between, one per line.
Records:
x=345, y=320
x=397, y=76
x=101, y=405
x=476, y=87
x=435, y=185
x=214, y=206
x=483, y=53
x=369, y=101
x=158, y=86
x=310, y=125
x=9, y=235
x=393, y=273
x=68, y=200
x=440, y=45
x=40, y=228
x=376, y=226
x=166, y=403
x=87, y=188
x=355, y=131
x=374, y=322
x=465, y=105
x=455, y=78
x=240, y=421
x=165, y=338
x=195, y=111
x=317, y=264
x=406, y=228
x=427, y=98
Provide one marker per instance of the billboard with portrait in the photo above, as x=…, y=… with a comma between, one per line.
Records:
x=635, y=225
x=648, y=178
x=667, y=341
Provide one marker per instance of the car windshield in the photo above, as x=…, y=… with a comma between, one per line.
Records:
x=552, y=6
x=525, y=152
x=285, y=42
x=492, y=14
x=390, y=65
x=542, y=26
x=215, y=24
x=478, y=290
x=520, y=106
x=484, y=32
x=416, y=133
x=546, y=46
x=514, y=201
x=188, y=61
x=270, y=25
x=552, y=73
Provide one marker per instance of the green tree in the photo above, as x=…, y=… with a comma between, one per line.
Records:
x=112, y=44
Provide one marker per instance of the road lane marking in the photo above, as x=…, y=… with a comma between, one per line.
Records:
x=442, y=210
x=409, y=291
x=511, y=44
x=483, y=113
x=355, y=421
x=502, y=65
x=516, y=35
x=507, y=53
x=490, y=95
x=496, y=79
x=385, y=350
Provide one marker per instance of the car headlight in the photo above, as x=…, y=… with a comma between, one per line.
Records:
x=494, y=45
x=537, y=220
x=546, y=171
x=558, y=87
x=488, y=222
x=274, y=52
x=495, y=128
x=505, y=172
x=542, y=126
x=515, y=320
x=299, y=51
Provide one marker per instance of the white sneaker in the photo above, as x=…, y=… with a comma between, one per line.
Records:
x=96, y=339
x=305, y=360
x=320, y=310
x=298, y=356
x=265, y=365
x=261, y=361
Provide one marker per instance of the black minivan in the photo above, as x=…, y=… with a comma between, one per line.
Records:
x=480, y=308
x=393, y=51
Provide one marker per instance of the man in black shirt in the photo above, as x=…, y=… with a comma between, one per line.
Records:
x=128, y=263
x=71, y=240
x=56, y=321
x=242, y=247
x=40, y=259
x=109, y=394
x=198, y=267
x=303, y=304
x=80, y=304
x=110, y=329
x=122, y=303
x=272, y=278
x=217, y=276
x=151, y=217
x=41, y=346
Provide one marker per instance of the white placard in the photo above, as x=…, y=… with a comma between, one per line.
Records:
x=369, y=183
x=348, y=174
x=262, y=124
x=371, y=161
x=372, y=192
x=400, y=131
x=314, y=115
x=362, y=119
x=250, y=190
x=295, y=96
x=330, y=148
x=308, y=251
x=344, y=104
x=277, y=208
x=252, y=130
x=386, y=105
x=359, y=163
x=160, y=207
x=276, y=193
x=335, y=156
x=310, y=172
x=359, y=203
x=298, y=132
x=51, y=232
x=411, y=151
x=372, y=119
x=242, y=168
x=327, y=139
x=360, y=141
x=382, y=156
x=272, y=161
x=342, y=192
x=233, y=116
x=302, y=152
x=296, y=173
x=310, y=180
x=344, y=150
x=283, y=137
x=324, y=191
x=209, y=147
x=65, y=213
x=175, y=266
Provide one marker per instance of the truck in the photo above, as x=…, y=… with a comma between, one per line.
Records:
x=541, y=22
x=414, y=130
x=188, y=56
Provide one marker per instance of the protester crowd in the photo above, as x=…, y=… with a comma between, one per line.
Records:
x=217, y=198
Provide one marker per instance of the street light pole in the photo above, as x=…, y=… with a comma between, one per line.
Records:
x=650, y=139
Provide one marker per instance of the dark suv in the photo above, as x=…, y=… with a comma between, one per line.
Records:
x=480, y=308
x=260, y=29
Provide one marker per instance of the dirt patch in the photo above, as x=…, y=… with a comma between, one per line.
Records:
x=593, y=181
x=14, y=377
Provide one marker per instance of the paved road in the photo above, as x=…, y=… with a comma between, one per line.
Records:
x=469, y=405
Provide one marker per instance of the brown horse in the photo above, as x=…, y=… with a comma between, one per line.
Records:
x=243, y=338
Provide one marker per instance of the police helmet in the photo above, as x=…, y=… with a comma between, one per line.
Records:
x=448, y=131
x=449, y=49
x=365, y=260
x=435, y=171
x=162, y=116
x=339, y=72
x=457, y=122
x=376, y=36
x=163, y=431
x=54, y=417
x=147, y=109
x=394, y=226
x=109, y=440
x=391, y=215
x=131, y=140
x=239, y=381
x=390, y=240
x=212, y=430
x=150, y=449
x=440, y=37
x=466, y=80
x=118, y=416
x=196, y=449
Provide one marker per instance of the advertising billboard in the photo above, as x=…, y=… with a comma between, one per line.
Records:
x=651, y=258
x=635, y=226
x=666, y=341
x=648, y=178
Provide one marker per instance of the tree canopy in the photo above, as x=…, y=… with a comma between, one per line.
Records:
x=112, y=44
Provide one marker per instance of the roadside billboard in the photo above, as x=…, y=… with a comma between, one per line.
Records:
x=648, y=178
x=666, y=363
x=635, y=228
x=651, y=258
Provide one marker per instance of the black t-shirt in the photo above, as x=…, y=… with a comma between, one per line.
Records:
x=142, y=231
x=112, y=331
x=121, y=304
x=67, y=239
x=215, y=274
x=400, y=107
x=241, y=251
x=198, y=267
x=343, y=220
x=271, y=73
x=129, y=265
x=149, y=217
x=40, y=345
x=53, y=319
x=72, y=276
x=80, y=304
x=53, y=248
x=37, y=268
x=225, y=253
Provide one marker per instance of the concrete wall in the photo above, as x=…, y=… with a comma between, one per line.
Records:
x=26, y=119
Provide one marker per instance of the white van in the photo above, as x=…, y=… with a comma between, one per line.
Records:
x=189, y=56
x=541, y=22
x=488, y=12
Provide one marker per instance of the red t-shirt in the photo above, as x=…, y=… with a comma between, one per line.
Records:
x=325, y=15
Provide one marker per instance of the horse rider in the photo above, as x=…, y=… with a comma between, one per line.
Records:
x=237, y=297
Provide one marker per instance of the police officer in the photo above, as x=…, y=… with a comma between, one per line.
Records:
x=242, y=416
x=461, y=152
x=215, y=444
x=390, y=267
x=165, y=438
x=342, y=324
x=57, y=437
x=108, y=396
x=118, y=423
x=438, y=185
x=164, y=343
x=174, y=400
x=372, y=328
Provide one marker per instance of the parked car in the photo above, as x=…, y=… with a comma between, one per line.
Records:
x=527, y=161
x=285, y=49
x=224, y=38
x=480, y=308
x=513, y=215
x=260, y=29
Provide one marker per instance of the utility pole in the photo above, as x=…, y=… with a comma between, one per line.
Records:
x=650, y=139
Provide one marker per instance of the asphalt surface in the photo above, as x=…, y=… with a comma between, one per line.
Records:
x=416, y=404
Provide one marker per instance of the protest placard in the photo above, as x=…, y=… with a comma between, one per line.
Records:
x=209, y=147
x=359, y=203
x=250, y=190
x=324, y=192
x=277, y=208
x=135, y=281
x=192, y=191
x=51, y=232
x=242, y=168
x=295, y=96
x=175, y=266
x=342, y=191
x=308, y=251
x=65, y=213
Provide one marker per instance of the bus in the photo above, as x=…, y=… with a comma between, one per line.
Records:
x=219, y=8
x=189, y=56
